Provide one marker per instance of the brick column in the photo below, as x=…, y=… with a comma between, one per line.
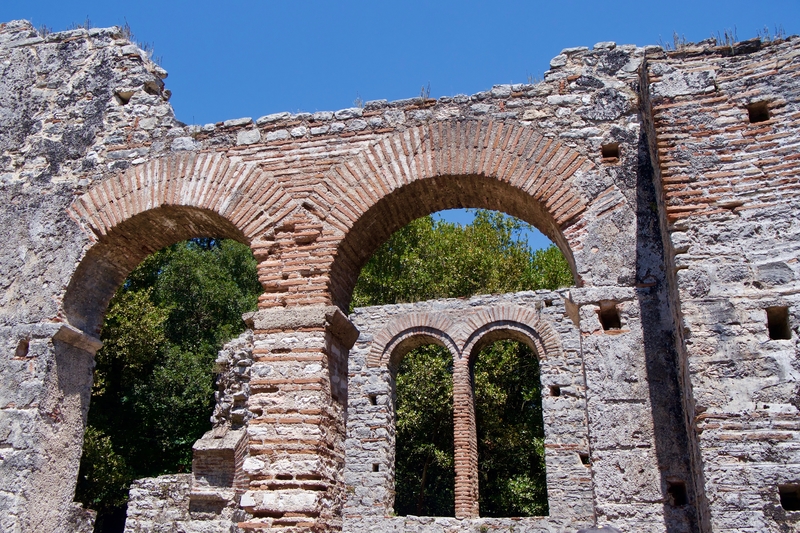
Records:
x=466, y=441
x=296, y=436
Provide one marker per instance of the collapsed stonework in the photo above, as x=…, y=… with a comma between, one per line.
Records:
x=668, y=179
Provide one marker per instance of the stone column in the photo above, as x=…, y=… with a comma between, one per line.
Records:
x=296, y=436
x=465, y=440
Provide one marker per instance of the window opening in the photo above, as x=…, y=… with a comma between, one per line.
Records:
x=778, y=323
x=585, y=460
x=510, y=427
x=455, y=253
x=424, y=452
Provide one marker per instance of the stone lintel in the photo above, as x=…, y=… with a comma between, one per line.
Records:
x=210, y=441
x=281, y=501
x=77, y=338
x=593, y=295
x=294, y=318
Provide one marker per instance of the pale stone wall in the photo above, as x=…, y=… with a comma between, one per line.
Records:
x=672, y=208
x=729, y=198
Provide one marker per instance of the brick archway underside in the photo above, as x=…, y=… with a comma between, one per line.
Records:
x=116, y=254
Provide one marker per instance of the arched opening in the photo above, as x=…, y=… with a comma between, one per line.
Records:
x=424, y=451
x=117, y=253
x=510, y=430
x=162, y=305
x=153, y=393
x=423, y=197
x=430, y=259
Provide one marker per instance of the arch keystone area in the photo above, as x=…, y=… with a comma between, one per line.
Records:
x=497, y=321
x=404, y=328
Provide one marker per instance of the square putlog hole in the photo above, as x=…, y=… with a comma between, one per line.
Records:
x=790, y=497
x=758, y=112
x=609, y=315
x=555, y=390
x=123, y=97
x=610, y=152
x=677, y=493
x=778, y=323
x=22, y=348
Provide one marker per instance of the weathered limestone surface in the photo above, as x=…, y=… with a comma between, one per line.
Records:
x=729, y=200
x=669, y=181
x=164, y=505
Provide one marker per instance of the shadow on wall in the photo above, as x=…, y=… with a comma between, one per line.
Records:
x=661, y=358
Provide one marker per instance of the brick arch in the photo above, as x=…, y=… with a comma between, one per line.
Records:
x=460, y=163
x=407, y=332
x=147, y=207
x=502, y=322
x=235, y=190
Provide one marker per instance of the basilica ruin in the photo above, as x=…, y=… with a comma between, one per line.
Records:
x=669, y=180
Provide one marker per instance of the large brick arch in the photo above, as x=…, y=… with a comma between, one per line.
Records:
x=137, y=212
x=503, y=166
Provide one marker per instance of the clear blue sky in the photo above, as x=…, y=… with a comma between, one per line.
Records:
x=250, y=58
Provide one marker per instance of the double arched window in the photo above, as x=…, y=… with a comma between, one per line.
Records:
x=463, y=345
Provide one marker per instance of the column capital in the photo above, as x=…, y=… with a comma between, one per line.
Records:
x=295, y=318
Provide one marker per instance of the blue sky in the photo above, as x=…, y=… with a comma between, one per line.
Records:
x=251, y=58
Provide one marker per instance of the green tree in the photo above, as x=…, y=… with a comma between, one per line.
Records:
x=434, y=259
x=153, y=390
x=424, y=470
x=430, y=259
x=508, y=414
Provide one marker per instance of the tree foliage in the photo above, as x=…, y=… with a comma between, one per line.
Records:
x=430, y=259
x=508, y=414
x=153, y=388
x=433, y=259
x=424, y=468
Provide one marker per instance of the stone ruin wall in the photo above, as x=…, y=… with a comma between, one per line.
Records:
x=388, y=332
x=673, y=201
